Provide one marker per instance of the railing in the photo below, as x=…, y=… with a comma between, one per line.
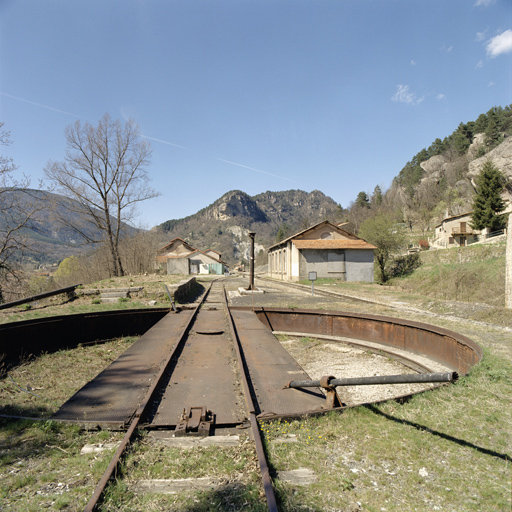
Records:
x=462, y=231
x=483, y=238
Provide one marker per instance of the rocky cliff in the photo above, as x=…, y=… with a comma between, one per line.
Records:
x=224, y=225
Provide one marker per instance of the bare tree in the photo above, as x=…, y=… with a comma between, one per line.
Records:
x=104, y=173
x=16, y=211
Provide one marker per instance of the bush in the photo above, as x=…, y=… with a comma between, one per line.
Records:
x=404, y=265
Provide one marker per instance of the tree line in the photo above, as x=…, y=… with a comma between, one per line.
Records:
x=386, y=219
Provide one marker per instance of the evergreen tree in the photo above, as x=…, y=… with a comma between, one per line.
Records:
x=488, y=204
x=377, y=196
x=462, y=138
x=481, y=123
x=362, y=200
x=493, y=129
x=282, y=233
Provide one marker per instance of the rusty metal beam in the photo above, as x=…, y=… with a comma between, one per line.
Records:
x=67, y=289
x=260, y=451
x=442, y=345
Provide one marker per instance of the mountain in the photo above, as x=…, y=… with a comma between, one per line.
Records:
x=224, y=225
x=51, y=240
x=439, y=181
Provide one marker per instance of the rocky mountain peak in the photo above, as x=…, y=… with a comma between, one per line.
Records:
x=235, y=204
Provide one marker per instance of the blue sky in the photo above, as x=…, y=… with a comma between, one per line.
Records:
x=333, y=95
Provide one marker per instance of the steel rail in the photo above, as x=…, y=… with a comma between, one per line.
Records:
x=265, y=474
x=112, y=467
x=318, y=291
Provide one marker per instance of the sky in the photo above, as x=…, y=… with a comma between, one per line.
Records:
x=329, y=95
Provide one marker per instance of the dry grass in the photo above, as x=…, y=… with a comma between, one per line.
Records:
x=41, y=467
x=236, y=468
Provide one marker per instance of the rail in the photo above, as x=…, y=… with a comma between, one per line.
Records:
x=149, y=399
x=265, y=474
x=68, y=289
x=116, y=459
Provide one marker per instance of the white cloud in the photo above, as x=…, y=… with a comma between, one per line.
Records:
x=413, y=63
x=500, y=44
x=492, y=84
x=441, y=97
x=479, y=65
x=484, y=3
x=404, y=95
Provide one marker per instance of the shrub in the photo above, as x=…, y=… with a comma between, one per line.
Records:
x=404, y=265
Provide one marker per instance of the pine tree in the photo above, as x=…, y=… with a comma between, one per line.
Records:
x=488, y=204
x=377, y=196
x=493, y=130
x=362, y=200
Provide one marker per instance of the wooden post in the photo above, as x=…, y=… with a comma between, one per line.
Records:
x=508, y=266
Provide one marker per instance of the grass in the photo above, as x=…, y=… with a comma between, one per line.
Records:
x=428, y=454
x=236, y=467
x=447, y=449
x=37, y=388
x=41, y=467
x=40, y=462
x=153, y=290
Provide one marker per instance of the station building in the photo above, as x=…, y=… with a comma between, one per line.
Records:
x=326, y=249
x=179, y=257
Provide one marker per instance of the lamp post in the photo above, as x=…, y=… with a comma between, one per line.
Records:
x=251, y=268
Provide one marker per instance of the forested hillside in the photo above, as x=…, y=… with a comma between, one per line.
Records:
x=440, y=180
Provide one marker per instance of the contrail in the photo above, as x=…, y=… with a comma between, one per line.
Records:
x=168, y=143
x=39, y=104
x=155, y=139
x=222, y=159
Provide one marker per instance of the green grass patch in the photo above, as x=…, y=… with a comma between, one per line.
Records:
x=447, y=449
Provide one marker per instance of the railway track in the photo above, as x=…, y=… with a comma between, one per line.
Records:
x=211, y=369
x=201, y=387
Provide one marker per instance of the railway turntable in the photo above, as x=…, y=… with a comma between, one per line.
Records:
x=112, y=397
x=193, y=356
x=271, y=367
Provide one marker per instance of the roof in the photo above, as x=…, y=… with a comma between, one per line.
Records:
x=286, y=240
x=448, y=219
x=172, y=242
x=333, y=244
x=196, y=251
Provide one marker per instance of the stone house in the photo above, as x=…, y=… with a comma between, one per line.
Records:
x=324, y=248
x=454, y=231
x=179, y=257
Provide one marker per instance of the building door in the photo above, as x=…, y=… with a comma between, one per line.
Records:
x=194, y=266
